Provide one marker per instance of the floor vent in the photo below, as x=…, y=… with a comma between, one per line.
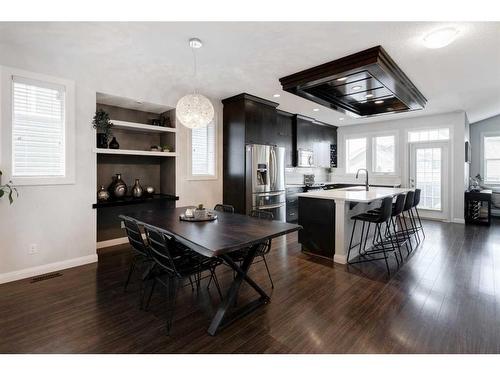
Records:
x=45, y=277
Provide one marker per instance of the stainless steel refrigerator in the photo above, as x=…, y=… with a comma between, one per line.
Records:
x=265, y=180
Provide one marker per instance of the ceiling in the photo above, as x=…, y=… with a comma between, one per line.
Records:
x=251, y=57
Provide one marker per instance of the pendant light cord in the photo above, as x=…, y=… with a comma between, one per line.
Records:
x=195, y=70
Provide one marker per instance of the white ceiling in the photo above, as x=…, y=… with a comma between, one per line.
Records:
x=251, y=57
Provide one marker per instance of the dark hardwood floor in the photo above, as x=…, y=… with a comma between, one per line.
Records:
x=445, y=299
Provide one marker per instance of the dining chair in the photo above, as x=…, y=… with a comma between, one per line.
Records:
x=239, y=255
x=224, y=208
x=174, y=266
x=139, y=247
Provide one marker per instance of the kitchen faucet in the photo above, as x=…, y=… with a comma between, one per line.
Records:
x=366, y=171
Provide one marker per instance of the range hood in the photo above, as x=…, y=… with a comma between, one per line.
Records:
x=367, y=83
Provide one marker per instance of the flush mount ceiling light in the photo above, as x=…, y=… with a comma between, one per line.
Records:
x=341, y=119
x=440, y=38
x=276, y=95
x=194, y=110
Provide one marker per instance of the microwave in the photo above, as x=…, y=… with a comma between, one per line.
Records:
x=305, y=158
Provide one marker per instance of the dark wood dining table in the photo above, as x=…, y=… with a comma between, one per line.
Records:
x=218, y=238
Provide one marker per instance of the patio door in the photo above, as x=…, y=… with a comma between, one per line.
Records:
x=429, y=173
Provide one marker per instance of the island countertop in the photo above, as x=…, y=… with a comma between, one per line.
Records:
x=355, y=194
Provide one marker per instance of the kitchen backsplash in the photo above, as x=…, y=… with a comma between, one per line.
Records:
x=296, y=175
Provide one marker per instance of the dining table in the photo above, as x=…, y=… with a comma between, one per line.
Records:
x=218, y=238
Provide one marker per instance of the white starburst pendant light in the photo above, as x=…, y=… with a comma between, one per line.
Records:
x=194, y=110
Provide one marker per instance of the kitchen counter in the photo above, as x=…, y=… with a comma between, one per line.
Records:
x=355, y=194
x=325, y=216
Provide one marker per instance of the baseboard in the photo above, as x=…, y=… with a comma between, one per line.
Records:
x=113, y=242
x=342, y=259
x=46, y=268
x=458, y=221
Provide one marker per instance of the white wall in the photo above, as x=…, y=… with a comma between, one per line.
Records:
x=456, y=121
x=60, y=219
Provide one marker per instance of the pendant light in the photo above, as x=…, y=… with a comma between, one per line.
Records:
x=194, y=110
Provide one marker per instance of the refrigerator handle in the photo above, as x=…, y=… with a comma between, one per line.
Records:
x=275, y=166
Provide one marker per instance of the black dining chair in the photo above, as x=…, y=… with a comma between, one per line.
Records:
x=239, y=255
x=224, y=208
x=174, y=266
x=139, y=247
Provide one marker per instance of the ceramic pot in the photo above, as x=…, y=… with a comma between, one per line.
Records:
x=200, y=213
x=102, y=194
x=150, y=190
x=137, y=189
x=117, y=188
x=101, y=140
x=114, y=144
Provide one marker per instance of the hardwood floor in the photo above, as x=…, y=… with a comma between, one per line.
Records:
x=444, y=299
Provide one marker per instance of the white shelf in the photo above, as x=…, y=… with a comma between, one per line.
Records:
x=117, y=124
x=133, y=152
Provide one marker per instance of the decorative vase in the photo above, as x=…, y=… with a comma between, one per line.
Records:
x=150, y=190
x=101, y=140
x=137, y=189
x=102, y=194
x=114, y=144
x=117, y=188
x=200, y=212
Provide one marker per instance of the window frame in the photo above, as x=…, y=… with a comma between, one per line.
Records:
x=482, y=158
x=6, y=101
x=206, y=177
x=370, y=149
x=367, y=150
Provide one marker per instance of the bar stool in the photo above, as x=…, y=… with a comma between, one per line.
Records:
x=416, y=202
x=380, y=245
x=408, y=231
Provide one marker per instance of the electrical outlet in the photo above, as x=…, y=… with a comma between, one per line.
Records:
x=33, y=249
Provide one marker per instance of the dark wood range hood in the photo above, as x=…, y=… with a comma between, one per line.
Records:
x=367, y=83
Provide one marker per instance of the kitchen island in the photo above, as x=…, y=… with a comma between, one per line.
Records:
x=325, y=216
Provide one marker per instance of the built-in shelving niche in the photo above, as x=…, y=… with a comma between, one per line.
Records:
x=133, y=160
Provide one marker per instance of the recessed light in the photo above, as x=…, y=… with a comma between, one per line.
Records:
x=440, y=38
x=315, y=109
x=356, y=88
x=195, y=43
x=342, y=79
x=276, y=95
x=341, y=119
x=379, y=101
x=368, y=95
x=139, y=101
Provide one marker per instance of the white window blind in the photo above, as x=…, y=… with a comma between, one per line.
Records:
x=384, y=154
x=492, y=159
x=38, y=128
x=203, y=151
x=355, y=154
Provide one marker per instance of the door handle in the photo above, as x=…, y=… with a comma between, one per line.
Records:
x=269, y=194
x=270, y=206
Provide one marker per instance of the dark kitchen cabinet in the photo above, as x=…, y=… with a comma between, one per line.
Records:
x=316, y=136
x=260, y=123
x=284, y=135
x=292, y=203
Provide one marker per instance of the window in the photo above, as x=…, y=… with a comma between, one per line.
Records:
x=38, y=129
x=384, y=154
x=491, y=146
x=425, y=135
x=355, y=154
x=39, y=112
x=203, y=151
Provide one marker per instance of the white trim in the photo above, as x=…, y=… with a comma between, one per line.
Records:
x=482, y=135
x=6, y=104
x=113, y=242
x=341, y=259
x=458, y=221
x=46, y=268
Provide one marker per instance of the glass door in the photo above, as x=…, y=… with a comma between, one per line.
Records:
x=428, y=172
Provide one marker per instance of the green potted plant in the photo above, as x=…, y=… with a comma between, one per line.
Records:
x=103, y=125
x=9, y=190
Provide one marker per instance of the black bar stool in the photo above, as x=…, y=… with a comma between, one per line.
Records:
x=409, y=230
x=380, y=245
x=416, y=215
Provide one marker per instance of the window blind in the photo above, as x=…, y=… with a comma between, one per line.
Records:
x=38, y=128
x=203, y=151
x=492, y=159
